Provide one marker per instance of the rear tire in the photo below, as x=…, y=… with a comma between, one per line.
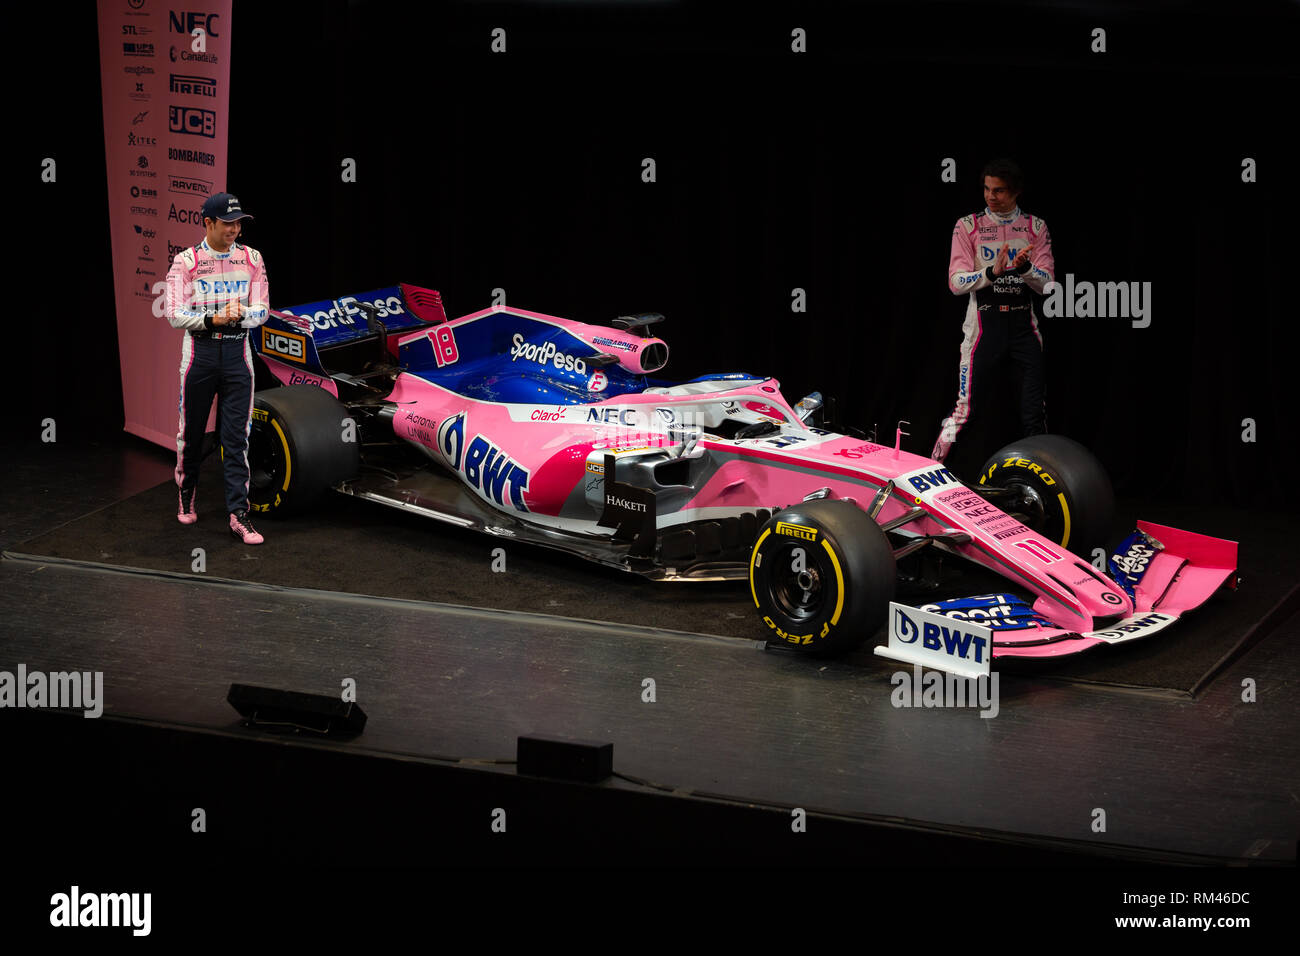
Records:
x=298, y=448
x=1068, y=493
x=822, y=575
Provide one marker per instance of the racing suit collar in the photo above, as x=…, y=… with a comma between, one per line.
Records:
x=1002, y=218
x=212, y=252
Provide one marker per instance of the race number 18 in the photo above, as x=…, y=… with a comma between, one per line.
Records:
x=444, y=346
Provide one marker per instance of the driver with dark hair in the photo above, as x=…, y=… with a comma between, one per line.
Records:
x=217, y=291
x=998, y=256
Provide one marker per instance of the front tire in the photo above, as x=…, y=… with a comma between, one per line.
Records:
x=302, y=442
x=1065, y=493
x=822, y=575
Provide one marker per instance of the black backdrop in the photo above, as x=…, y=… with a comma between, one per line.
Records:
x=774, y=171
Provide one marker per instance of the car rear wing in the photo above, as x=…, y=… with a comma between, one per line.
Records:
x=333, y=322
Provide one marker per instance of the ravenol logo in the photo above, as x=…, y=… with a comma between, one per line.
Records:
x=796, y=530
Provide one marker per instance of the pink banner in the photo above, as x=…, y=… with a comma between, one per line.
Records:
x=166, y=84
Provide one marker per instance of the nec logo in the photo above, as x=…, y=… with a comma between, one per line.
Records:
x=194, y=122
x=285, y=344
x=613, y=416
x=186, y=21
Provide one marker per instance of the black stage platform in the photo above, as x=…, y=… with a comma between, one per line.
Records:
x=736, y=737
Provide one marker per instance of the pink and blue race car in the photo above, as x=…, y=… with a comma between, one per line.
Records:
x=555, y=432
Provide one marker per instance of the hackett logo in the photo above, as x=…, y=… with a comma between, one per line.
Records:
x=624, y=503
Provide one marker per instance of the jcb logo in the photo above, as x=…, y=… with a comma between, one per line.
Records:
x=192, y=120
x=285, y=345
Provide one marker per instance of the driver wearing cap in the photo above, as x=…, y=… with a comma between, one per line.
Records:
x=217, y=291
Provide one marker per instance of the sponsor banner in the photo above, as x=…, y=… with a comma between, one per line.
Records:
x=567, y=414
x=165, y=83
x=1132, y=559
x=1132, y=628
x=999, y=612
x=337, y=320
x=932, y=640
x=926, y=484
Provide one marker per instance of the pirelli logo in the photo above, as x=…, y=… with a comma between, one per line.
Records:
x=285, y=345
x=796, y=530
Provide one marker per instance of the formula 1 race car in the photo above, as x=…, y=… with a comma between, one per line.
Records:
x=550, y=431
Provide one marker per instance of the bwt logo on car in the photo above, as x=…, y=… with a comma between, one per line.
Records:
x=952, y=641
x=1132, y=625
x=928, y=480
x=547, y=354
x=485, y=466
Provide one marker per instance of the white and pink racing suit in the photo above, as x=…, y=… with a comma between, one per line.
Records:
x=1000, y=317
x=216, y=359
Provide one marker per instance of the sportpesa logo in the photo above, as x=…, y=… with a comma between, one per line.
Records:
x=547, y=354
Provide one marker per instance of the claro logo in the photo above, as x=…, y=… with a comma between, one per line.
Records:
x=285, y=345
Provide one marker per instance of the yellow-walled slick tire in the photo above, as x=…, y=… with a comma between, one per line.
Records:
x=822, y=575
x=301, y=443
x=1065, y=492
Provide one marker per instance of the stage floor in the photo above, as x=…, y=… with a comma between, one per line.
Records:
x=1203, y=776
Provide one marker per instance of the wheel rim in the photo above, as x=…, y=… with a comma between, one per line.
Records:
x=799, y=595
x=265, y=461
x=1029, y=505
